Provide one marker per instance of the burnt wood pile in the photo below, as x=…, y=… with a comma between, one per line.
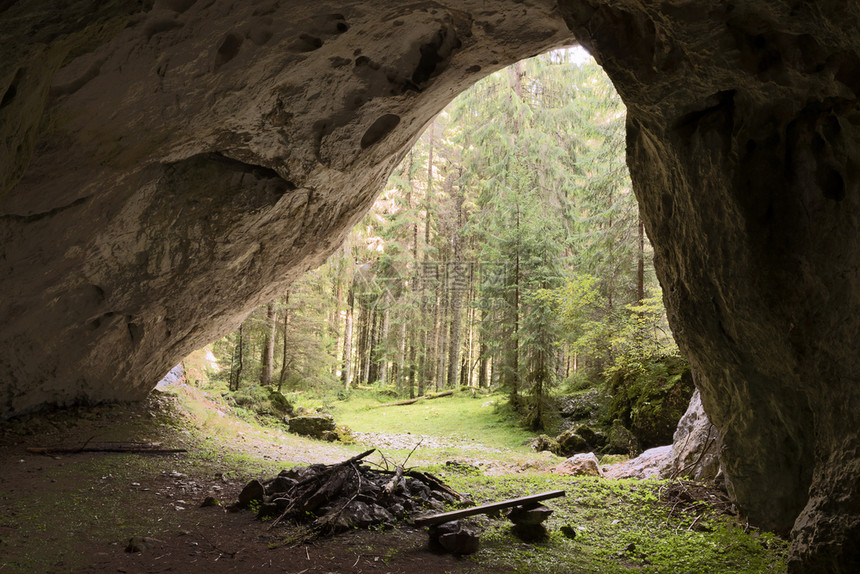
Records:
x=351, y=494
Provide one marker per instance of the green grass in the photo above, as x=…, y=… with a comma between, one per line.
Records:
x=459, y=417
x=608, y=516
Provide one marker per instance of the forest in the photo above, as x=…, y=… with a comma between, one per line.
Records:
x=505, y=254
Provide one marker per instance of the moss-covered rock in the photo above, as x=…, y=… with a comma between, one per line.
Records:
x=543, y=443
x=570, y=443
x=621, y=440
x=314, y=426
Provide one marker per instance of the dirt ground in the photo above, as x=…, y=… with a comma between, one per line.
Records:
x=78, y=512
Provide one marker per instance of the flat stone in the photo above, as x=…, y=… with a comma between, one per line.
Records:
x=529, y=516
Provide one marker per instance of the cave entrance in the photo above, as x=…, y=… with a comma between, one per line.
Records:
x=504, y=257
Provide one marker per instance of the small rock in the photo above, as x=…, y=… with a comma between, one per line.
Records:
x=254, y=490
x=543, y=443
x=456, y=537
x=529, y=516
x=209, y=501
x=568, y=531
x=584, y=464
x=141, y=543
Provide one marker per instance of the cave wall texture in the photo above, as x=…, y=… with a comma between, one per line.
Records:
x=166, y=166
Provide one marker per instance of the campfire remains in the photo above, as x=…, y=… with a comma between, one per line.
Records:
x=337, y=497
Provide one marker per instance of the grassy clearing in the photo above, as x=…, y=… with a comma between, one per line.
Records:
x=459, y=416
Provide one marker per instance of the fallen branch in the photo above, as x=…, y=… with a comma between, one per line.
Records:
x=133, y=447
x=391, y=485
x=415, y=400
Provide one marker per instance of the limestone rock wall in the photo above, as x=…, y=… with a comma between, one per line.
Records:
x=165, y=166
x=743, y=144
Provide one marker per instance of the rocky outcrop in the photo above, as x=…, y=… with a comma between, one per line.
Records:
x=166, y=166
x=696, y=446
x=744, y=149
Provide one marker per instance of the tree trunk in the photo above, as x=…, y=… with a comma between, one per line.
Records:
x=268, y=356
x=457, y=278
x=372, y=364
x=483, y=380
x=381, y=349
x=346, y=372
x=513, y=345
x=235, y=386
x=441, y=336
x=640, y=271
x=399, y=369
x=428, y=334
x=361, y=348
x=284, y=363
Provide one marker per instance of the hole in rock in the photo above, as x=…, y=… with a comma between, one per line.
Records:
x=228, y=49
x=379, y=129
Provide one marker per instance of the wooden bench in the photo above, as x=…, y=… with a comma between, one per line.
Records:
x=525, y=501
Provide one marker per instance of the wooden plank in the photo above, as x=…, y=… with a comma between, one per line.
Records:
x=484, y=508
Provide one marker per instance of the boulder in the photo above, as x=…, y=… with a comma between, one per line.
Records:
x=621, y=440
x=595, y=439
x=584, y=464
x=580, y=406
x=569, y=443
x=175, y=376
x=314, y=426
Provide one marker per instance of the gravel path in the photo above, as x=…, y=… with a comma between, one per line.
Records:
x=407, y=441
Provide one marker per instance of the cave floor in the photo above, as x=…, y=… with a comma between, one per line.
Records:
x=78, y=512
